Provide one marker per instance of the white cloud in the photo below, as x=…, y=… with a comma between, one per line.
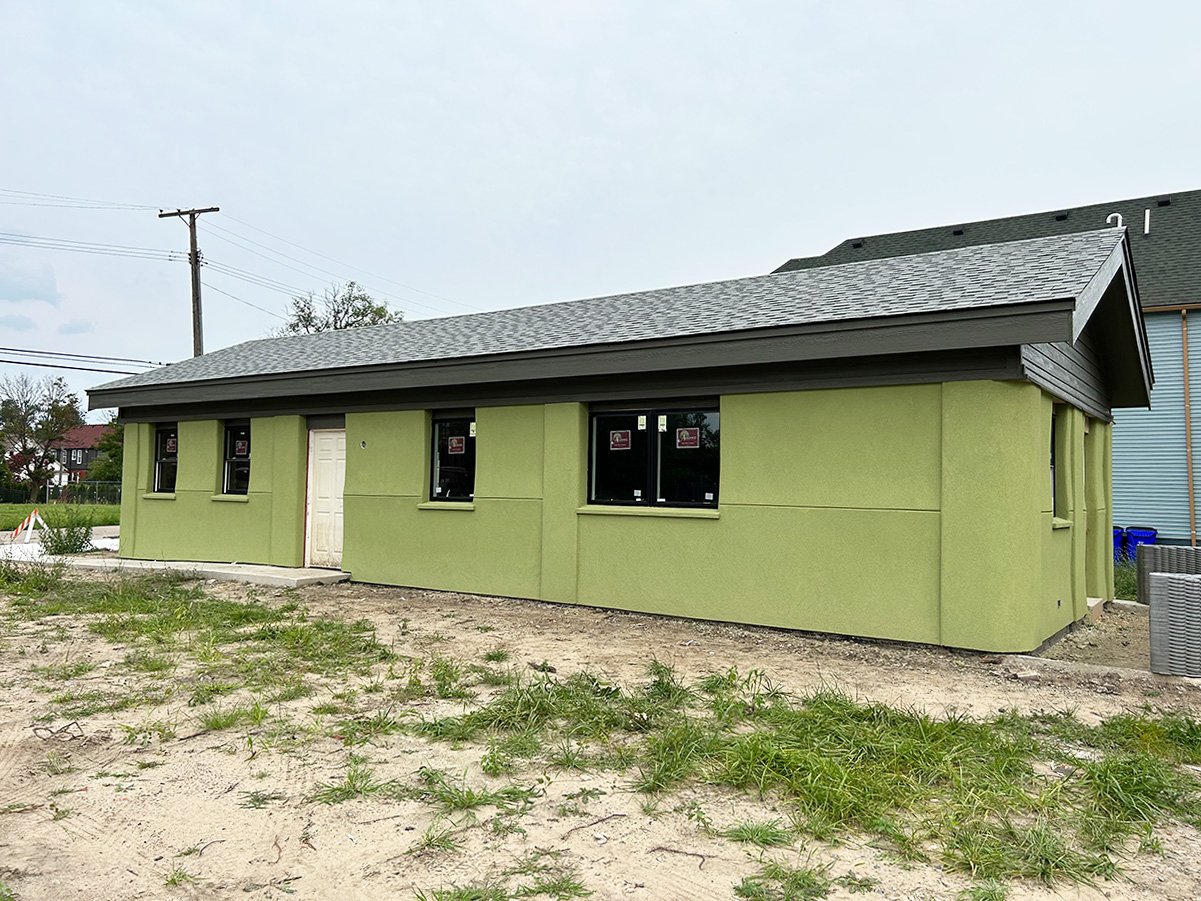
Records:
x=76, y=327
x=21, y=281
x=17, y=323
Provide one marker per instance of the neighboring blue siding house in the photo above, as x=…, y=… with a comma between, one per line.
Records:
x=1156, y=452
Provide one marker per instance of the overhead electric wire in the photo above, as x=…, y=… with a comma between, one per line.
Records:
x=65, y=366
x=401, y=301
x=71, y=206
x=16, y=239
x=65, y=198
x=91, y=357
x=348, y=265
x=247, y=302
x=16, y=197
x=253, y=278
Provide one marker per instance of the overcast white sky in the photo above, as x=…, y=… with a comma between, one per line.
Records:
x=503, y=154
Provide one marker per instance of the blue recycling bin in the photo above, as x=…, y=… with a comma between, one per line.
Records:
x=1119, y=545
x=1135, y=537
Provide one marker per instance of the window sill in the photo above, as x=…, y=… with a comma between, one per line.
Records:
x=1057, y=523
x=446, y=505
x=231, y=498
x=159, y=496
x=669, y=512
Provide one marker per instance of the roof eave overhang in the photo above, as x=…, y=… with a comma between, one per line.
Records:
x=998, y=326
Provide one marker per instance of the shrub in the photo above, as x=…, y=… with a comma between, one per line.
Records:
x=71, y=535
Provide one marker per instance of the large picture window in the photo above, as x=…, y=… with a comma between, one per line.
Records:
x=452, y=460
x=655, y=457
x=166, y=457
x=237, y=458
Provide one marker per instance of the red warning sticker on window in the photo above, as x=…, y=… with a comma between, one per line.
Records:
x=690, y=437
x=172, y=445
x=619, y=440
x=456, y=444
x=241, y=447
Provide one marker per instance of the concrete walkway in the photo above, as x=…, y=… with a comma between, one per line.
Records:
x=250, y=573
x=104, y=538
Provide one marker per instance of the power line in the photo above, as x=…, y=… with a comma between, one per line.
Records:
x=309, y=267
x=112, y=204
x=92, y=357
x=260, y=281
x=37, y=241
x=348, y=265
x=65, y=366
x=247, y=302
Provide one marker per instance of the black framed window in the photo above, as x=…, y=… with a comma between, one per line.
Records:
x=237, y=458
x=166, y=457
x=452, y=459
x=655, y=457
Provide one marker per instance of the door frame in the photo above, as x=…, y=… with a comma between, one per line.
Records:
x=308, y=494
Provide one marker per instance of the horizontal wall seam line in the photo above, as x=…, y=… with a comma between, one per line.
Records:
x=418, y=497
x=723, y=505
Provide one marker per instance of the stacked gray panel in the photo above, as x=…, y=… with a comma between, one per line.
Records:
x=1175, y=624
x=1164, y=558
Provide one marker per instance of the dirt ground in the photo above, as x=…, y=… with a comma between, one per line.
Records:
x=137, y=811
x=1119, y=637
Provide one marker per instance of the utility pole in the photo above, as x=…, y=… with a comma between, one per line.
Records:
x=194, y=260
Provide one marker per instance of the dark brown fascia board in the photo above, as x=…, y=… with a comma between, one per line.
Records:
x=1013, y=324
x=998, y=363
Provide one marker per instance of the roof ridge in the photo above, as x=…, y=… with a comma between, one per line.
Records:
x=994, y=219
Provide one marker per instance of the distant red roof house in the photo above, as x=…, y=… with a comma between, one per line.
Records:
x=77, y=449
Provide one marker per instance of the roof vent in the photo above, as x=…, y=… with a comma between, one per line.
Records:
x=856, y=244
x=1061, y=217
x=1166, y=201
x=958, y=231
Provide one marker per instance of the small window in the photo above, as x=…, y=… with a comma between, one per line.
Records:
x=166, y=457
x=452, y=461
x=668, y=458
x=237, y=458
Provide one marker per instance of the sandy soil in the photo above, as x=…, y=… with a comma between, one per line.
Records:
x=135, y=809
x=1120, y=637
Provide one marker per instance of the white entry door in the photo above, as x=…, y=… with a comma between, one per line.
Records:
x=327, y=477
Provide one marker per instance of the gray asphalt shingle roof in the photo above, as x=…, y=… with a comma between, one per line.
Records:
x=1051, y=268
x=1168, y=259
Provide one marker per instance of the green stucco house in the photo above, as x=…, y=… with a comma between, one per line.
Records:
x=913, y=448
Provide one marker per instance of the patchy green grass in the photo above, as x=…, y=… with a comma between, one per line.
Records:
x=476, y=891
x=456, y=796
x=778, y=882
x=169, y=623
x=179, y=876
x=766, y=835
x=969, y=792
x=64, y=672
x=258, y=799
x=359, y=782
x=1125, y=581
x=55, y=515
x=437, y=839
x=1042, y=797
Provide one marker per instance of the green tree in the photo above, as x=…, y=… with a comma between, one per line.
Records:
x=339, y=307
x=111, y=446
x=33, y=415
